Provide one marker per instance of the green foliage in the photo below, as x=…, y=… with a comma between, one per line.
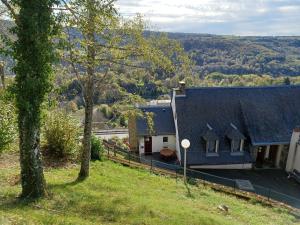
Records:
x=150, y=122
x=8, y=128
x=33, y=54
x=72, y=106
x=106, y=110
x=121, y=143
x=61, y=135
x=97, y=148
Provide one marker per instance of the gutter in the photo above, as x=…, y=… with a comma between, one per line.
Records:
x=270, y=143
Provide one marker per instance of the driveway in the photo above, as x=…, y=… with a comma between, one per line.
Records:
x=275, y=179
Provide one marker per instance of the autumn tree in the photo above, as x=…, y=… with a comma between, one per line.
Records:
x=33, y=55
x=100, y=41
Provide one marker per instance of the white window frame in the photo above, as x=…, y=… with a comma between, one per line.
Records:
x=216, y=147
x=241, y=146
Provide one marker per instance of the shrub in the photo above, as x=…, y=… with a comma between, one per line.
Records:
x=61, y=134
x=107, y=111
x=8, y=128
x=96, y=148
x=72, y=106
x=121, y=143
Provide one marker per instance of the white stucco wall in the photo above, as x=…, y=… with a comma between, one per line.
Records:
x=141, y=145
x=293, y=160
x=158, y=144
x=177, y=144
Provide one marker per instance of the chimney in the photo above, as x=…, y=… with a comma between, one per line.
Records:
x=181, y=89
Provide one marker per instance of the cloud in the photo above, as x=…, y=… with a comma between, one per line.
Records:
x=239, y=17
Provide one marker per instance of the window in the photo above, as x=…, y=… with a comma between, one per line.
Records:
x=165, y=139
x=212, y=146
x=237, y=145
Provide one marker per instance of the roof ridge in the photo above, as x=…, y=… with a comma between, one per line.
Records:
x=244, y=87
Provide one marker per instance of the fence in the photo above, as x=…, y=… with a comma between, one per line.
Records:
x=202, y=176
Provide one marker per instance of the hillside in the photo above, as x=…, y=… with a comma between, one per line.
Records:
x=275, y=56
x=219, y=61
x=115, y=194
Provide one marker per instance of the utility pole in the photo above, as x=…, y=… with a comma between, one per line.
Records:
x=2, y=77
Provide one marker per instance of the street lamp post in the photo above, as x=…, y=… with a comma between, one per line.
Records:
x=185, y=143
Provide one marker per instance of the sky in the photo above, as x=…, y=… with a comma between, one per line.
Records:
x=229, y=17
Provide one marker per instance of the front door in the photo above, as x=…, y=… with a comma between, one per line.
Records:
x=273, y=154
x=260, y=157
x=148, y=145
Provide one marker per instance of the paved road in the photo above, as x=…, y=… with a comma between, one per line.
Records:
x=108, y=134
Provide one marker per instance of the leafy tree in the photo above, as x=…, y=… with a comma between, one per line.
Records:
x=33, y=54
x=100, y=41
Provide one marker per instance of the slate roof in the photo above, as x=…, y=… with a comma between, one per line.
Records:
x=210, y=134
x=264, y=115
x=163, y=121
x=234, y=134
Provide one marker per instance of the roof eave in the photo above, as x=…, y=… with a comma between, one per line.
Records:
x=270, y=143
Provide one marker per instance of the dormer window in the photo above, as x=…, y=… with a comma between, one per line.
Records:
x=211, y=141
x=236, y=138
x=212, y=146
x=237, y=145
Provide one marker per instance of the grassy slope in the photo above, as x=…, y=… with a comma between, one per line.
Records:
x=119, y=195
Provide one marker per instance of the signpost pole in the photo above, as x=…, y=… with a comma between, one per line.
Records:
x=184, y=177
x=185, y=144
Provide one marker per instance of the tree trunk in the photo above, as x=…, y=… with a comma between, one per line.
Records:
x=2, y=76
x=32, y=177
x=86, y=142
x=88, y=93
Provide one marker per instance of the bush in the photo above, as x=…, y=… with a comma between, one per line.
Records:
x=61, y=134
x=72, y=106
x=96, y=148
x=107, y=111
x=8, y=128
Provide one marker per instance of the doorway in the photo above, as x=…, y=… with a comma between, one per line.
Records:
x=148, y=145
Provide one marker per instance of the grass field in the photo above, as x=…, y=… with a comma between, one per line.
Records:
x=115, y=194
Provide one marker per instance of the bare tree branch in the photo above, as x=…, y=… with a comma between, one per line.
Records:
x=11, y=9
x=126, y=64
x=71, y=10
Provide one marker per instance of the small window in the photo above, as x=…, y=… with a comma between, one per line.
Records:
x=165, y=139
x=212, y=146
x=237, y=145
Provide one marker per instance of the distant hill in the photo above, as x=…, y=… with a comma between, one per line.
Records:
x=275, y=56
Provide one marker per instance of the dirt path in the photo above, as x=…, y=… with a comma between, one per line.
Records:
x=9, y=160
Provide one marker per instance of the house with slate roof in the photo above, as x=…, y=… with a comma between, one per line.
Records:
x=228, y=127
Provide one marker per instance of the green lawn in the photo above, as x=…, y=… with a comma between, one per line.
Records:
x=115, y=194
